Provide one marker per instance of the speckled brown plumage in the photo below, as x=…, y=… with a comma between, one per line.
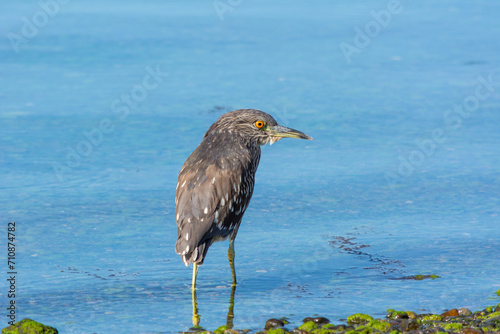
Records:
x=216, y=182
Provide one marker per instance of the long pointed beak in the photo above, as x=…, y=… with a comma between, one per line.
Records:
x=284, y=132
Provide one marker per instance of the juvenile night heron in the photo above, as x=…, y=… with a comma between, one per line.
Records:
x=216, y=183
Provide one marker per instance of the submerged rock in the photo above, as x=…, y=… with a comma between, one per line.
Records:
x=274, y=323
x=317, y=320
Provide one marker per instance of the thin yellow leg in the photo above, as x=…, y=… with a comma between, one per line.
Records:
x=230, y=256
x=196, y=316
x=195, y=273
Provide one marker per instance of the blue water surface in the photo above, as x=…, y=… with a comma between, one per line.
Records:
x=101, y=102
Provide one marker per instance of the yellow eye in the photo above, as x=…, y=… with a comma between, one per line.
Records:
x=259, y=124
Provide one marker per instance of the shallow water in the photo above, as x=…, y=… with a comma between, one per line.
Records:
x=334, y=224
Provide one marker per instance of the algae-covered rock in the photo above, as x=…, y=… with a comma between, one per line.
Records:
x=221, y=330
x=359, y=319
x=226, y=330
x=361, y=330
x=492, y=321
x=340, y=328
x=308, y=326
x=493, y=315
x=431, y=318
x=412, y=315
x=452, y=326
x=394, y=314
x=379, y=325
x=326, y=329
x=28, y=326
x=276, y=331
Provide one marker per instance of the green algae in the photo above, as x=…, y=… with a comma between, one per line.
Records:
x=374, y=326
x=488, y=313
x=391, y=313
x=420, y=277
x=327, y=330
x=432, y=317
x=411, y=315
x=359, y=319
x=379, y=325
x=221, y=330
x=308, y=326
x=363, y=330
x=493, y=315
x=453, y=326
x=28, y=326
x=399, y=322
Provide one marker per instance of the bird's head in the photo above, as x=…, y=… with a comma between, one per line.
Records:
x=255, y=125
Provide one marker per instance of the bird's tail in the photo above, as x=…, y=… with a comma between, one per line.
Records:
x=190, y=254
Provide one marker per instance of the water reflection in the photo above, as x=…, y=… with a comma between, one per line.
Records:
x=230, y=312
x=197, y=317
